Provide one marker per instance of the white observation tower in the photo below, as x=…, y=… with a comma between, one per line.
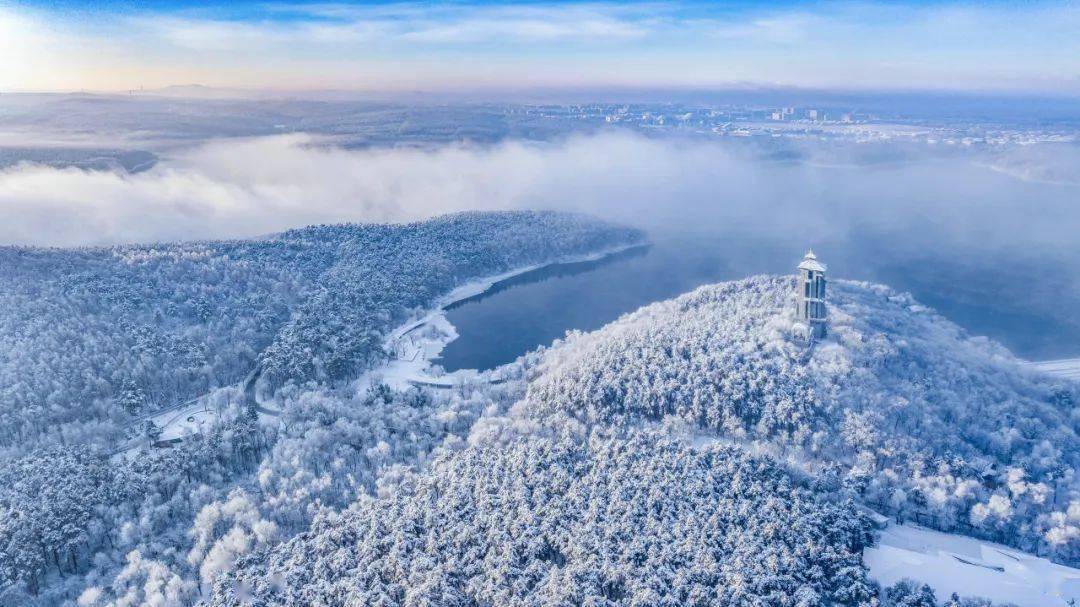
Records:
x=810, y=295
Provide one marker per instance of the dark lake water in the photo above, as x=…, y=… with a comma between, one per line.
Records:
x=1030, y=305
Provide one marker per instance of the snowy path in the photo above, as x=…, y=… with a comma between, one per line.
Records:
x=1068, y=368
x=970, y=567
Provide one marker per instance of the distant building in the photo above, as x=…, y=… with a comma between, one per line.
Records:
x=777, y=115
x=811, y=114
x=810, y=295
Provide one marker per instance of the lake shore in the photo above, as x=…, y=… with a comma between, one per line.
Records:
x=416, y=343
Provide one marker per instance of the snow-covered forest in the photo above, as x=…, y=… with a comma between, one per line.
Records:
x=695, y=452
x=159, y=528
x=95, y=337
x=95, y=340
x=898, y=407
x=634, y=521
x=499, y=303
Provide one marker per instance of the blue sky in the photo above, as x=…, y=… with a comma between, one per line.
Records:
x=1030, y=47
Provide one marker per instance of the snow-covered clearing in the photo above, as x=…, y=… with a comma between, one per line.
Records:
x=1068, y=368
x=176, y=424
x=185, y=420
x=970, y=567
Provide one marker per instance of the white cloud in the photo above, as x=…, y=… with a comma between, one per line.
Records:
x=461, y=25
x=213, y=36
x=256, y=186
x=239, y=188
x=778, y=29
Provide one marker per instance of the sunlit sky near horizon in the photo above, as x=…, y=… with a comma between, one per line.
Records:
x=1028, y=47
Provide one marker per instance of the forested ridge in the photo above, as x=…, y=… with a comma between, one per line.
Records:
x=92, y=337
x=618, y=470
x=897, y=406
x=95, y=339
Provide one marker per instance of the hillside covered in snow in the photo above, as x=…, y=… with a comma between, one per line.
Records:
x=696, y=453
x=93, y=337
x=897, y=407
x=96, y=341
x=628, y=521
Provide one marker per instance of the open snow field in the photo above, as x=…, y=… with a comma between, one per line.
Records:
x=187, y=419
x=174, y=423
x=970, y=567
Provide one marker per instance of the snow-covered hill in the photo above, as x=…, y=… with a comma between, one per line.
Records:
x=578, y=487
x=628, y=521
x=94, y=336
x=692, y=453
x=897, y=406
x=106, y=347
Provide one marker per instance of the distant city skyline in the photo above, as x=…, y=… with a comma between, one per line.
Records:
x=372, y=46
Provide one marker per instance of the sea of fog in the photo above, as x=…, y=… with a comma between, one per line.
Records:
x=987, y=235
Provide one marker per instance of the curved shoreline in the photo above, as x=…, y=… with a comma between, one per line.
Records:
x=409, y=369
x=414, y=349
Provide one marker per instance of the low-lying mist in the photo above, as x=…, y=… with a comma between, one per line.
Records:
x=959, y=224
x=249, y=187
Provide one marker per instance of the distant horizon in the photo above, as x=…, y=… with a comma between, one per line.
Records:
x=483, y=46
x=566, y=94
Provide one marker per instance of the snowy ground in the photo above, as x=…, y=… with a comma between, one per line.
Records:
x=969, y=567
x=413, y=352
x=187, y=419
x=176, y=424
x=191, y=414
x=1068, y=368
